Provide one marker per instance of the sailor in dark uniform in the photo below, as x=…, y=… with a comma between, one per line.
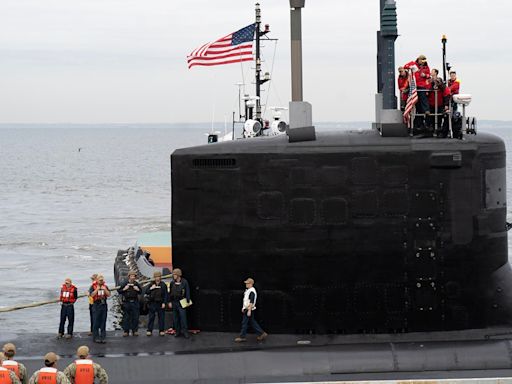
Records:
x=179, y=290
x=157, y=298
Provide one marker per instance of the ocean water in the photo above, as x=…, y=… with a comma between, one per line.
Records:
x=65, y=212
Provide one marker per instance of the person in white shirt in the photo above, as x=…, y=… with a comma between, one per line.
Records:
x=248, y=308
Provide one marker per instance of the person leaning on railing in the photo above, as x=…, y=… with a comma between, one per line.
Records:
x=439, y=101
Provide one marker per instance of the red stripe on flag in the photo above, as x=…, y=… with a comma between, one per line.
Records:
x=224, y=62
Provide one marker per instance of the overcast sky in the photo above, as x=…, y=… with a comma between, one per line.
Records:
x=106, y=61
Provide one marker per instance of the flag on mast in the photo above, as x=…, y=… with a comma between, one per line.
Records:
x=233, y=48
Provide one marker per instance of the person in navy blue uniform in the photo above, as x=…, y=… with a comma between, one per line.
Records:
x=179, y=290
x=157, y=298
x=130, y=290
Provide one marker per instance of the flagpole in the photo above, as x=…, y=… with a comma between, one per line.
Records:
x=258, y=62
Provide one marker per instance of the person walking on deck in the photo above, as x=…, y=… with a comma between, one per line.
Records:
x=248, y=308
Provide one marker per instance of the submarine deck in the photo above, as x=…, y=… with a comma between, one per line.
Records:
x=214, y=357
x=351, y=140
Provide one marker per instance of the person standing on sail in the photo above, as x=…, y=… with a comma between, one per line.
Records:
x=248, y=308
x=403, y=86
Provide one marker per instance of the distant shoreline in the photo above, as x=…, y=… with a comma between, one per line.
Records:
x=216, y=125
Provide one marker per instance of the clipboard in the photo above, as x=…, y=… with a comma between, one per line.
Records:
x=184, y=303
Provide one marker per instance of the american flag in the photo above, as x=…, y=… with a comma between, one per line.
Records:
x=411, y=100
x=233, y=48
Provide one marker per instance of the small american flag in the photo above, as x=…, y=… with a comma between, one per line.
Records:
x=411, y=100
x=233, y=48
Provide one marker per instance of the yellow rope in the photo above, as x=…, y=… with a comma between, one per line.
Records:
x=41, y=303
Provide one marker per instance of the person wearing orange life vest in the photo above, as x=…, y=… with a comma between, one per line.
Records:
x=49, y=373
x=19, y=369
x=68, y=296
x=99, y=292
x=7, y=376
x=84, y=370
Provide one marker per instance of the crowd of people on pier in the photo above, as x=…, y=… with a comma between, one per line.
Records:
x=423, y=90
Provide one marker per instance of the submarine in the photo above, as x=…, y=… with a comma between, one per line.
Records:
x=377, y=255
x=353, y=232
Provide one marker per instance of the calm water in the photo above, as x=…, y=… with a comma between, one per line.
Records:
x=66, y=213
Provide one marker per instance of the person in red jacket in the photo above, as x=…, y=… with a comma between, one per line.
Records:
x=440, y=92
x=421, y=72
x=403, y=87
x=68, y=296
x=454, y=85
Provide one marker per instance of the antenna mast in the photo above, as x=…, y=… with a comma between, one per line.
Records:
x=259, y=81
x=388, y=118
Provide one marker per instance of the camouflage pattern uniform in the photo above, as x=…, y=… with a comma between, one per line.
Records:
x=23, y=374
x=99, y=373
x=61, y=378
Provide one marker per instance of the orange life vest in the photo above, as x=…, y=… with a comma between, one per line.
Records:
x=5, y=377
x=47, y=375
x=84, y=372
x=67, y=295
x=12, y=365
x=101, y=294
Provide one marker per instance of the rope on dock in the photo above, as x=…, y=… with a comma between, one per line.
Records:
x=54, y=301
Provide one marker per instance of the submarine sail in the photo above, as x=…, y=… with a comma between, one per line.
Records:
x=346, y=232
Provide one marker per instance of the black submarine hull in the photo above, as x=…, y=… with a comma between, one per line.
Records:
x=214, y=358
x=350, y=233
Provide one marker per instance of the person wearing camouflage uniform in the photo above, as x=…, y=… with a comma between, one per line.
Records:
x=50, y=371
x=5, y=373
x=83, y=360
x=19, y=369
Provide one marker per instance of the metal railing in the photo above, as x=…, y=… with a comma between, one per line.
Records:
x=468, y=123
